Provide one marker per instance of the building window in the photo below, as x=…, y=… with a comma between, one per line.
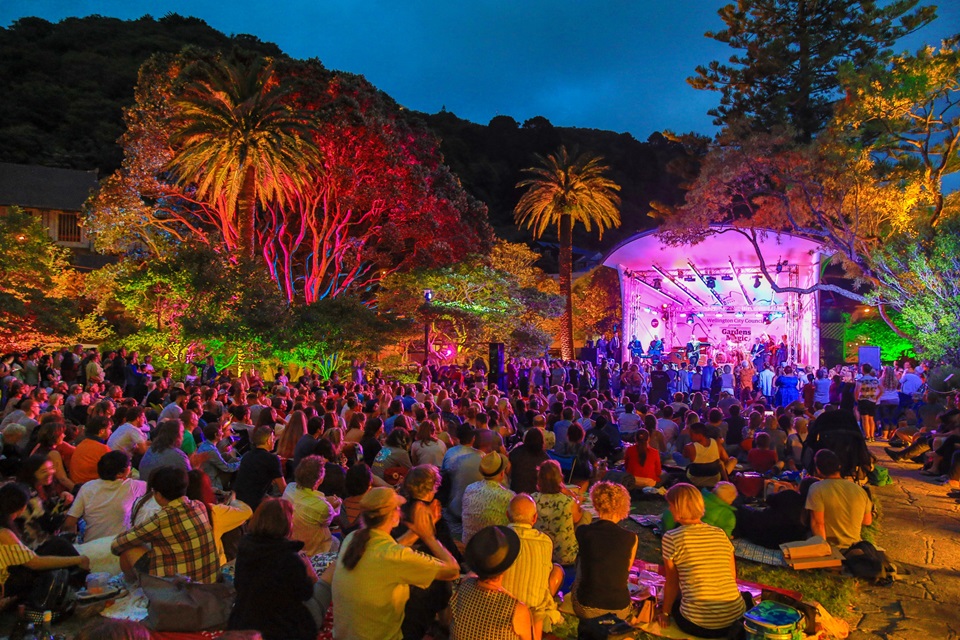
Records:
x=68, y=228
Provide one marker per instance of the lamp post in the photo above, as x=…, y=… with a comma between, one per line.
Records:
x=427, y=297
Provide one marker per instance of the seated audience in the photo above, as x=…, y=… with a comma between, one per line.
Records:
x=839, y=508
x=558, y=512
x=106, y=504
x=259, y=470
x=643, y=461
x=481, y=608
x=83, y=464
x=485, y=502
x=312, y=511
x=700, y=591
x=525, y=458
x=718, y=509
x=165, y=450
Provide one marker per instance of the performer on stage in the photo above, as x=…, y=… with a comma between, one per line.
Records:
x=656, y=348
x=693, y=350
x=758, y=353
x=636, y=347
x=614, y=349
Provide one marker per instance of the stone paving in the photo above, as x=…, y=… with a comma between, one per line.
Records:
x=920, y=532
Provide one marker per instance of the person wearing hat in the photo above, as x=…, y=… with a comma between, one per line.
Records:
x=481, y=609
x=485, y=502
x=373, y=573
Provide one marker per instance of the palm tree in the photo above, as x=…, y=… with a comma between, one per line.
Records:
x=563, y=191
x=238, y=140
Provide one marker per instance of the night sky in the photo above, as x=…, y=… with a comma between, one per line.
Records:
x=606, y=64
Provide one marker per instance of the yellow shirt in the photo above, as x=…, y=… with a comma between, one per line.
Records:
x=368, y=600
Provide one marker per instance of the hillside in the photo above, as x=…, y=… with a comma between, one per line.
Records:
x=65, y=86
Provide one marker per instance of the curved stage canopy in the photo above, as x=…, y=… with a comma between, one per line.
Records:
x=716, y=291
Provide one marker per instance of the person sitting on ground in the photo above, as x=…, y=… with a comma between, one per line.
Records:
x=225, y=517
x=106, y=504
x=606, y=553
x=533, y=579
x=700, y=591
x=49, y=436
x=485, y=502
x=718, y=509
x=559, y=511
x=129, y=436
x=165, y=450
x=357, y=482
x=393, y=460
x=83, y=464
x=525, y=458
x=40, y=522
x=839, y=508
x=20, y=566
x=371, y=556
x=215, y=466
x=259, y=470
x=643, y=461
x=312, y=511
x=481, y=607
x=274, y=579
x=180, y=537
x=783, y=518
x=763, y=457
x=709, y=462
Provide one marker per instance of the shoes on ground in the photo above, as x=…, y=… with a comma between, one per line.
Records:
x=894, y=455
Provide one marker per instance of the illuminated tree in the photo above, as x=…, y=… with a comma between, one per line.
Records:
x=561, y=192
x=378, y=198
x=237, y=141
x=789, y=52
x=597, y=306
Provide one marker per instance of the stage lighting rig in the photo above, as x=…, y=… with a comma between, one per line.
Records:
x=657, y=284
x=756, y=282
x=711, y=282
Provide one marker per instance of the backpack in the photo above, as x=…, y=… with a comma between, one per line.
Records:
x=52, y=592
x=863, y=560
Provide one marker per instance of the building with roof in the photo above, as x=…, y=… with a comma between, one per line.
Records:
x=55, y=195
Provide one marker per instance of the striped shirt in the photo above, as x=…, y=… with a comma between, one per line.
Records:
x=528, y=578
x=12, y=555
x=704, y=559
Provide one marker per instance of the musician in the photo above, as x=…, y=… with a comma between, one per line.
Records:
x=758, y=353
x=616, y=352
x=656, y=347
x=783, y=351
x=636, y=347
x=693, y=350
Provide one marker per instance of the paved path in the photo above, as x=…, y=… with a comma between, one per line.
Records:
x=920, y=531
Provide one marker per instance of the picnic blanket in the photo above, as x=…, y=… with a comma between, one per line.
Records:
x=746, y=550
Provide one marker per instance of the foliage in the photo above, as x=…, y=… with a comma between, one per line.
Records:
x=237, y=141
x=379, y=199
x=874, y=331
x=920, y=275
x=473, y=304
x=597, y=307
x=788, y=55
x=561, y=192
x=66, y=84
x=35, y=309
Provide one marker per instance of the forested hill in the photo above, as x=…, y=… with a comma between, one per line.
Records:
x=65, y=85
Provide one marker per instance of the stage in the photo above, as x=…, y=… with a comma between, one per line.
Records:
x=715, y=290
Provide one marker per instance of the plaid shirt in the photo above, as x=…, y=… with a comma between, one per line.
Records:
x=181, y=537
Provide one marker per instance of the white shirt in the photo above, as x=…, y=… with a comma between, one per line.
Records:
x=910, y=383
x=170, y=412
x=766, y=382
x=629, y=422
x=106, y=506
x=126, y=438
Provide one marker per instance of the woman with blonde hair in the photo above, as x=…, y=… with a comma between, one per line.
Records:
x=606, y=552
x=701, y=580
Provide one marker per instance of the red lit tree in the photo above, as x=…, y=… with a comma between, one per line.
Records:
x=378, y=199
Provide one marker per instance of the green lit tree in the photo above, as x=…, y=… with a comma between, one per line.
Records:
x=561, y=192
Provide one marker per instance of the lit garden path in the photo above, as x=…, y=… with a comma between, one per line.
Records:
x=921, y=535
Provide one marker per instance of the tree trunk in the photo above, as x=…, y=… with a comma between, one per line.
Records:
x=566, y=286
x=247, y=214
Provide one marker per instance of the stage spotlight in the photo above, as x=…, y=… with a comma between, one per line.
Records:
x=739, y=314
x=719, y=315
x=711, y=282
x=727, y=278
x=700, y=315
x=780, y=266
x=657, y=284
x=647, y=309
x=689, y=279
x=690, y=321
x=756, y=282
x=683, y=315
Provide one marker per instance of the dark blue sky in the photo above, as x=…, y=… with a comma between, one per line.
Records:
x=605, y=64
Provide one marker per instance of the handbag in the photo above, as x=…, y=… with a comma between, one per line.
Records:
x=176, y=604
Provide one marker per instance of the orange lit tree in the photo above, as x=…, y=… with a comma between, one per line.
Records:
x=560, y=192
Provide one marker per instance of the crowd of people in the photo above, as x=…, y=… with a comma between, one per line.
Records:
x=462, y=504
